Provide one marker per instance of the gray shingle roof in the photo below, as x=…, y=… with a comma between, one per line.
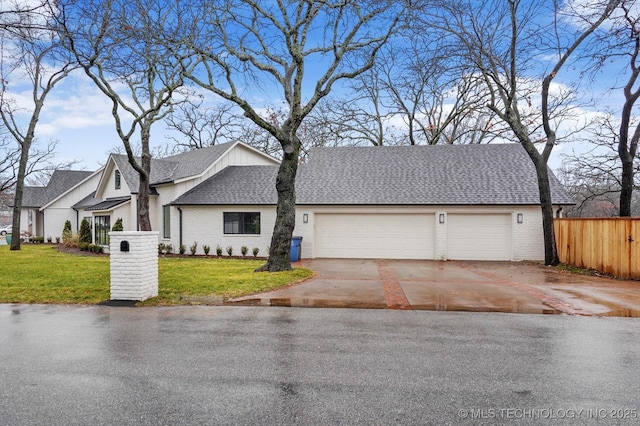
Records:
x=409, y=175
x=172, y=168
x=61, y=181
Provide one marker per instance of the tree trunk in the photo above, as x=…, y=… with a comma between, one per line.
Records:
x=550, y=249
x=144, y=190
x=280, y=248
x=17, y=201
x=626, y=190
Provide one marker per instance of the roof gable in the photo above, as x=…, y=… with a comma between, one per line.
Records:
x=177, y=167
x=61, y=181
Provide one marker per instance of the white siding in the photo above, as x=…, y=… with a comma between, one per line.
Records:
x=109, y=185
x=204, y=225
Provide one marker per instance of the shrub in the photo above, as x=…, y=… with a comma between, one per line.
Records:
x=57, y=240
x=95, y=248
x=49, y=239
x=256, y=250
x=83, y=246
x=182, y=249
x=85, y=232
x=244, y=250
x=118, y=225
x=219, y=250
x=71, y=241
x=230, y=250
x=168, y=248
x=162, y=248
x=66, y=232
x=194, y=248
x=206, y=249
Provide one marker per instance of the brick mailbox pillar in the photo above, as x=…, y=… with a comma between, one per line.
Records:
x=134, y=265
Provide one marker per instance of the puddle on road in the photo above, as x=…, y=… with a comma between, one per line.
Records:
x=325, y=303
x=503, y=309
x=308, y=303
x=615, y=310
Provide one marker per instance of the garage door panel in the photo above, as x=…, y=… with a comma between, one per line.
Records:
x=393, y=236
x=479, y=236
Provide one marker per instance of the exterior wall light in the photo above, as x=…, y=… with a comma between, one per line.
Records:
x=519, y=218
x=305, y=218
x=441, y=218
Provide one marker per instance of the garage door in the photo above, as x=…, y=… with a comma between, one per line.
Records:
x=479, y=236
x=374, y=236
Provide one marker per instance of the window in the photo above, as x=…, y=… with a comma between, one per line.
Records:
x=166, y=221
x=102, y=228
x=241, y=223
x=118, y=179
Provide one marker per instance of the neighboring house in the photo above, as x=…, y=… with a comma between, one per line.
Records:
x=473, y=202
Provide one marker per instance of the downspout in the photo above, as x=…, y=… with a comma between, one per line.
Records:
x=180, y=225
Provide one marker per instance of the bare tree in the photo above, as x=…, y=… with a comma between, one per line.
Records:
x=16, y=16
x=31, y=54
x=505, y=44
x=303, y=49
x=203, y=125
x=593, y=176
x=627, y=36
x=40, y=165
x=113, y=41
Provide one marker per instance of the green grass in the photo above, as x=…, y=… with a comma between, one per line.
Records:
x=41, y=274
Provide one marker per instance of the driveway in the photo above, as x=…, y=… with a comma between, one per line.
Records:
x=454, y=286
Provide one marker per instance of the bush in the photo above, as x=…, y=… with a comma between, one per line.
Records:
x=95, y=248
x=162, y=248
x=66, y=232
x=230, y=250
x=182, y=249
x=206, y=249
x=85, y=232
x=244, y=250
x=57, y=240
x=219, y=250
x=168, y=248
x=194, y=248
x=49, y=239
x=256, y=250
x=118, y=225
x=83, y=246
x=71, y=241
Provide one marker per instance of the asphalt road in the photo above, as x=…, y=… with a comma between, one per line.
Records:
x=261, y=365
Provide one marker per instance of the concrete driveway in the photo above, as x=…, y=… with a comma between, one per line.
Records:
x=454, y=286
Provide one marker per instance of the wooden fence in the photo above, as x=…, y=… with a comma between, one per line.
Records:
x=610, y=245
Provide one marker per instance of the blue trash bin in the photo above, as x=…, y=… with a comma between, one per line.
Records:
x=296, y=243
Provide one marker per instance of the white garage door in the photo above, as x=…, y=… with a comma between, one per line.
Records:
x=479, y=236
x=374, y=236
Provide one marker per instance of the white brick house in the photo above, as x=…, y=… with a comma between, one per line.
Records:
x=473, y=202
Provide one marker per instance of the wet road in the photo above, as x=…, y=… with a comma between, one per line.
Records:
x=254, y=365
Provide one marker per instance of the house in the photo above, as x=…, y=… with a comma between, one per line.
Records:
x=36, y=200
x=473, y=202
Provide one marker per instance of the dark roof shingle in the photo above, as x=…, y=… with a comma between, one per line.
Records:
x=410, y=175
x=61, y=181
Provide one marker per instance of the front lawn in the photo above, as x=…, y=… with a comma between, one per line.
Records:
x=41, y=274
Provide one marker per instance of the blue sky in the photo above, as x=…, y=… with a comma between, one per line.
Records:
x=78, y=116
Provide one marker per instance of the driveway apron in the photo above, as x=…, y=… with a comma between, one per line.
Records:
x=514, y=287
